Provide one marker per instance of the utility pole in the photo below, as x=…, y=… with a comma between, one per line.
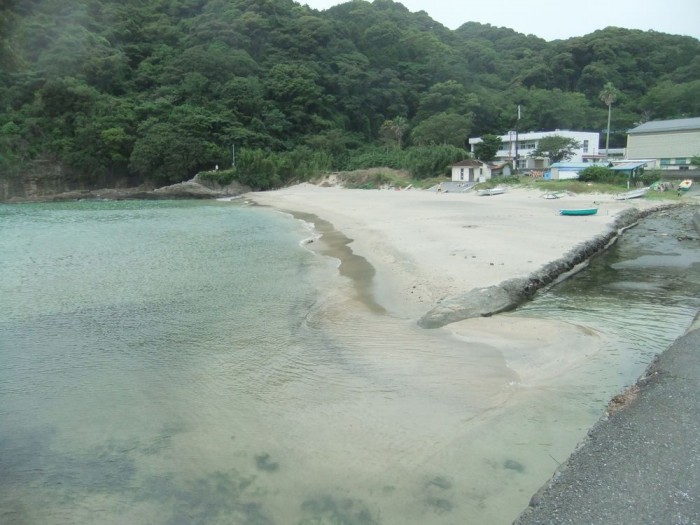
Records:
x=517, y=124
x=607, y=135
x=233, y=155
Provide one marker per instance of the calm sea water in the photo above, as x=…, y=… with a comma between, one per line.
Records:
x=192, y=362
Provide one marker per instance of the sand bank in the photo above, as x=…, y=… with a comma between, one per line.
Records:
x=428, y=248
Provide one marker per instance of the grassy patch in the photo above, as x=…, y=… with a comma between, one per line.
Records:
x=374, y=178
x=223, y=177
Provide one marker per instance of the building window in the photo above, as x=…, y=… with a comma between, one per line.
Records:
x=665, y=162
x=682, y=162
x=461, y=173
x=585, y=146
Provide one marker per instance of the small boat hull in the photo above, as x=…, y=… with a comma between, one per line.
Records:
x=634, y=194
x=581, y=211
x=491, y=191
x=552, y=195
x=685, y=185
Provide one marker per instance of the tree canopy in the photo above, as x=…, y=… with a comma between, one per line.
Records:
x=556, y=148
x=161, y=89
x=488, y=147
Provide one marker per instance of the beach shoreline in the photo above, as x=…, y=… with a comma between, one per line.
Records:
x=443, y=258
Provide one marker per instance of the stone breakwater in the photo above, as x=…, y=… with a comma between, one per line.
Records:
x=483, y=302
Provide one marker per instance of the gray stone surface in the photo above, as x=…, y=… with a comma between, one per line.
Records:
x=191, y=189
x=641, y=463
x=509, y=294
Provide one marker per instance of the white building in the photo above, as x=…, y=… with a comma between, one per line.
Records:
x=471, y=171
x=525, y=143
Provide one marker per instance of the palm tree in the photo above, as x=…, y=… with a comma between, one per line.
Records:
x=608, y=95
x=395, y=129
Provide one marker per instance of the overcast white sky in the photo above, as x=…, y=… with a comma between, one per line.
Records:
x=558, y=19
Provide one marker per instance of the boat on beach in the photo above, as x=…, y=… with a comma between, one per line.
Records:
x=634, y=194
x=578, y=211
x=491, y=191
x=553, y=195
x=685, y=185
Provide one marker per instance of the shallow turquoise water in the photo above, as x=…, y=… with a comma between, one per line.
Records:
x=192, y=362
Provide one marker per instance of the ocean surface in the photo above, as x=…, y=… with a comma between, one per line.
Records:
x=194, y=363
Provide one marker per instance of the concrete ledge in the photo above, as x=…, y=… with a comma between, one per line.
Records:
x=641, y=462
x=483, y=302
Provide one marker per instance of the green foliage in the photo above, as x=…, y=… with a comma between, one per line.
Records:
x=160, y=90
x=488, y=147
x=442, y=129
x=393, y=131
x=222, y=177
x=420, y=161
x=601, y=174
x=556, y=147
x=372, y=181
x=609, y=94
x=263, y=170
x=428, y=161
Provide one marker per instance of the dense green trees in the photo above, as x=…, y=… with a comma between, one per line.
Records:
x=556, y=148
x=488, y=147
x=161, y=89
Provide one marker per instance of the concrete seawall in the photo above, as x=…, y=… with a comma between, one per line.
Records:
x=513, y=292
x=641, y=462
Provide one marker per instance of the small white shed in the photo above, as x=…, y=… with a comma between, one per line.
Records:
x=471, y=171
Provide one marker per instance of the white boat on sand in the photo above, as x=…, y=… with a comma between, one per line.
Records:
x=634, y=194
x=491, y=191
x=553, y=195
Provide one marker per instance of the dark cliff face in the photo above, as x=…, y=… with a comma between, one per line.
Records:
x=43, y=178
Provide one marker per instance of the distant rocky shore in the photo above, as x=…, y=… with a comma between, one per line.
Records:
x=195, y=188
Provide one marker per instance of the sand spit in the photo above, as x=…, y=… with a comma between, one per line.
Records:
x=442, y=258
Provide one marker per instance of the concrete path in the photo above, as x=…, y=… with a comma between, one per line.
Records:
x=641, y=464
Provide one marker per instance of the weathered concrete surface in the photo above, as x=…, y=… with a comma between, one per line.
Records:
x=509, y=294
x=641, y=463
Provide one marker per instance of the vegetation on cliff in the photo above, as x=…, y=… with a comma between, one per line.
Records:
x=158, y=90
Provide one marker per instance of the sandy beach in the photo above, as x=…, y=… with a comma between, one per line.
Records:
x=427, y=246
x=522, y=391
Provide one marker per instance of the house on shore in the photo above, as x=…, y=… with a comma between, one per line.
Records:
x=669, y=143
x=471, y=171
x=524, y=144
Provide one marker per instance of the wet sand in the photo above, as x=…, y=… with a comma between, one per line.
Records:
x=426, y=247
x=512, y=379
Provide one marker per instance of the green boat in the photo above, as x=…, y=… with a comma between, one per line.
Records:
x=579, y=211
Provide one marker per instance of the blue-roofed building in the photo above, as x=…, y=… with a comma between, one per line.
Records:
x=670, y=143
x=565, y=170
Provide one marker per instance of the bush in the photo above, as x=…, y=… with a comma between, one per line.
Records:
x=223, y=177
x=601, y=174
x=420, y=161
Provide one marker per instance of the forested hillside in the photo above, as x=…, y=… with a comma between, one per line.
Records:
x=161, y=89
